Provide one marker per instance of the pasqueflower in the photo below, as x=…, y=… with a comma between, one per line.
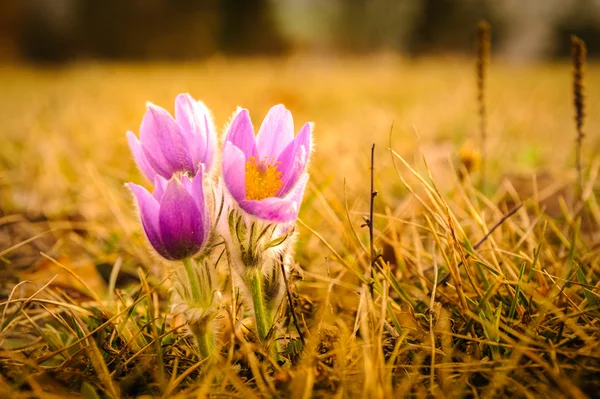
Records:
x=175, y=216
x=266, y=175
x=167, y=146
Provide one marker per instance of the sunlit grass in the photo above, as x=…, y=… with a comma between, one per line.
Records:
x=520, y=319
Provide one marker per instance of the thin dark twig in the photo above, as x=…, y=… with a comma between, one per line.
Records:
x=291, y=302
x=370, y=222
x=485, y=237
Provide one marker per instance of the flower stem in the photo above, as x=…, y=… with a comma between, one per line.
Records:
x=205, y=338
x=259, y=306
x=270, y=312
x=206, y=343
x=193, y=279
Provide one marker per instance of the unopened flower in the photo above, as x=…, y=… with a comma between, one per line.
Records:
x=266, y=175
x=167, y=146
x=175, y=216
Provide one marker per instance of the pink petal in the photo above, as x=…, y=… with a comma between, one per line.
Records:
x=192, y=118
x=139, y=157
x=211, y=137
x=278, y=209
x=298, y=192
x=276, y=132
x=160, y=184
x=149, y=209
x=272, y=209
x=197, y=192
x=195, y=188
x=241, y=134
x=163, y=143
x=294, y=158
x=186, y=183
x=234, y=171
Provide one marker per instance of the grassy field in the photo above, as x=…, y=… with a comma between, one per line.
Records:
x=84, y=302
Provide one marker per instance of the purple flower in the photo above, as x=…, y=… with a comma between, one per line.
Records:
x=175, y=216
x=266, y=174
x=168, y=145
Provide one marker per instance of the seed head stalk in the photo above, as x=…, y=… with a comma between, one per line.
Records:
x=579, y=53
x=483, y=60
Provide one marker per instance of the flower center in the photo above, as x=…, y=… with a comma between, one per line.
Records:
x=263, y=178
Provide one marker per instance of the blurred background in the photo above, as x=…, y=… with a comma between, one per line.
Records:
x=70, y=30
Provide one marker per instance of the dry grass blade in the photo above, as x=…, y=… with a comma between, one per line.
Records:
x=25, y=242
x=81, y=281
x=486, y=236
x=97, y=359
x=6, y=323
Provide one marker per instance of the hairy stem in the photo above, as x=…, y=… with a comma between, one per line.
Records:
x=193, y=278
x=205, y=338
x=258, y=302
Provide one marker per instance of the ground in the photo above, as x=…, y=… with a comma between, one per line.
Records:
x=521, y=319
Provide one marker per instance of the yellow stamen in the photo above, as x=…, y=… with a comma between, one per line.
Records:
x=263, y=178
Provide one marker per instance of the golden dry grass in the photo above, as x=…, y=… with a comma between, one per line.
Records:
x=64, y=159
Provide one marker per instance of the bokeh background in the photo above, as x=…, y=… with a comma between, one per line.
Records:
x=67, y=30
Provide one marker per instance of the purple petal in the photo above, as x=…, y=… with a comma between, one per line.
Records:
x=234, y=171
x=276, y=132
x=163, y=143
x=278, y=209
x=298, y=192
x=149, y=210
x=179, y=218
x=197, y=192
x=186, y=183
x=139, y=157
x=241, y=134
x=192, y=116
x=160, y=184
x=272, y=209
x=293, y=160
x=211, y=137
